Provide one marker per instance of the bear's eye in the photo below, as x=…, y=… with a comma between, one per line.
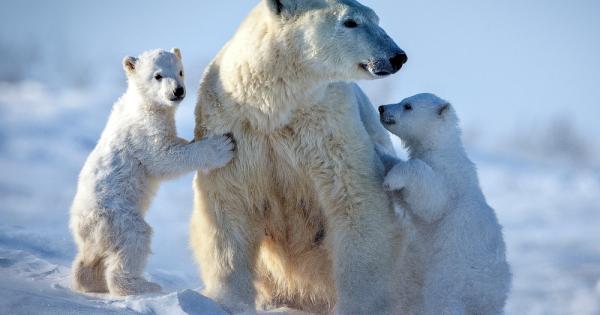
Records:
x=350, y=23
x=181, y=73
x=158, y=77
x=407, y=107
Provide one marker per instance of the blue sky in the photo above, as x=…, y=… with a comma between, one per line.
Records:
x=503, y=64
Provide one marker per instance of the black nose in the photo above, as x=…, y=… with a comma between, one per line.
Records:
x=398, y=61
x=179, y=92
x=381, y=109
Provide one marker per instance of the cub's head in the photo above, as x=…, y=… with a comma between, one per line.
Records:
x=423, y=119
x=341, y=39
x=157, y=76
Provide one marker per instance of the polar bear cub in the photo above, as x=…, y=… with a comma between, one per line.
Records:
x=460, y=249
x=138, y=148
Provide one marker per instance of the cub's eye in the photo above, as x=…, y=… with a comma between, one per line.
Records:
x=350, y=24
x=181, y=73
x=407, y=107
x=158, y=77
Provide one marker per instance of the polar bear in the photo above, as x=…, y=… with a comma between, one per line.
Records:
x=458, y=251
x=299, y=217
x=138, y=148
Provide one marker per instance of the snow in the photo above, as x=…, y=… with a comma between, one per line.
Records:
x=550, y=219
x=536, y=151
x=32, y=285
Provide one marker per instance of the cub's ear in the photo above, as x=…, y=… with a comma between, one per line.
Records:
x=129, y=64
x=285, y=8
x=443, y=110
x=177, y=52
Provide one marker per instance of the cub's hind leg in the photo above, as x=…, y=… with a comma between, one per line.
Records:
x=88, y=269
x=128, y=251
x=88, y=273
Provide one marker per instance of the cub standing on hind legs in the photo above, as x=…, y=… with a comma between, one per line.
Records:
x=138, y=148
x=460, y=250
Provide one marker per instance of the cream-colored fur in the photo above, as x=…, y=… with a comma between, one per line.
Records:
x=138, y=148
x=299, y=217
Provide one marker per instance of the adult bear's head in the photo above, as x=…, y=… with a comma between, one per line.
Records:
x=340, y=38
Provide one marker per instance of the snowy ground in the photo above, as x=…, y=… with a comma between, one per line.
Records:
x=550, y=211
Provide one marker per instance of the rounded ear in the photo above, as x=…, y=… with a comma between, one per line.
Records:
x=285, y=8
x=177, y=52
x=275, y=6
x=443, y=110
x=129, y=64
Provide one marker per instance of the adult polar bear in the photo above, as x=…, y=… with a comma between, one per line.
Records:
x=299, y=218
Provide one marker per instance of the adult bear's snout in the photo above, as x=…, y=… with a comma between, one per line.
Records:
x=398, y=60
x=383, y=67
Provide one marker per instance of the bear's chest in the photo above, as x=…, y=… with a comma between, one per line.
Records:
x=275, y=169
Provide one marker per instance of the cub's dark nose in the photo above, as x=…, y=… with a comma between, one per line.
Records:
x=381, y=109
x=398, y=60
x=179, y=92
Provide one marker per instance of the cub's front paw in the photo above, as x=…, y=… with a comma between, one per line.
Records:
x=395, y=179
x=393, y=184
x=222, y=149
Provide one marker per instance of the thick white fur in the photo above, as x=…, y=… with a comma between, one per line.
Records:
x=138, y=148
x=375, y=129
x=456, y=257
x=298, y=218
